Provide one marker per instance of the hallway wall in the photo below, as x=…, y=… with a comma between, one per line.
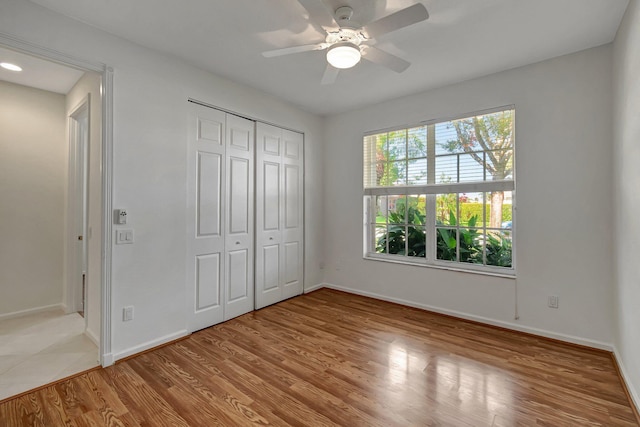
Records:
x=33, y=173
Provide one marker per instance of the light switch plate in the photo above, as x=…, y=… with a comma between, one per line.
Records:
x=124, y=237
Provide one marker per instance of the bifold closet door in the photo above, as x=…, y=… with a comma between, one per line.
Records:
x=239, y=213
x=220, y=216
x=279, y=214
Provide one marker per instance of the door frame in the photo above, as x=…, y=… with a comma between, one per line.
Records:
x=106, y=170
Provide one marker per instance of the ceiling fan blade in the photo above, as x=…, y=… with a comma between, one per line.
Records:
x=319, y=14
x=395, y=21
x=385, y=59
x=330, y=75
x=294, y=49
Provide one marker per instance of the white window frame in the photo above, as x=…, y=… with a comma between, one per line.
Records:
x=431, y=191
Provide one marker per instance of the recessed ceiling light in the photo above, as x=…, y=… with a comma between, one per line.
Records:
x=9, y=66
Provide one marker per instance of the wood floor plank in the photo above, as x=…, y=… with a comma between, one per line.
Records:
x=334, y=359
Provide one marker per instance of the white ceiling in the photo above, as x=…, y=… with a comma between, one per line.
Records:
x=462, y=39
x=38, y=73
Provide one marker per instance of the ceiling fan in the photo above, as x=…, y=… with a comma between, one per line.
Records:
x=347, y=41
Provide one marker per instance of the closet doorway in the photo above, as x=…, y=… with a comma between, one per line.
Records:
x=245, y=215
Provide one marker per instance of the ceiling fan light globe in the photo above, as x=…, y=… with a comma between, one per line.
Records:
x=343, y=55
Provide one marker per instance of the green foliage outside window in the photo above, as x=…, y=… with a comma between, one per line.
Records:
x=471, y=242
x=405, y=223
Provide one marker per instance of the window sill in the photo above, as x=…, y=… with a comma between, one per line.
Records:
x=511, y=274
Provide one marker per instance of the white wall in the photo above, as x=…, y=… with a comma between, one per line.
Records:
x=149, y=176
x=564, y=203
x=33, y=161
x=89, y=84
x=626, y=126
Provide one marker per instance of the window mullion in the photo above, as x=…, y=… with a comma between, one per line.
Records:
x=430, y=222
x=431, y=154
x=458, y=226
x=406, y=156
x=430, y=227
x=372, y=224
x=484, y=228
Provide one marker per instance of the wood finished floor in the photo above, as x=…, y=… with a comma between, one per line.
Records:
x=330, y=358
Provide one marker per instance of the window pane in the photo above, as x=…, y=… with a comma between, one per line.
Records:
x=381, y=209
x=416, y=240
x=398, y=170
x=498, y=251
x=472, y=167
x=446, y=244
x=417, y=209
x=500, y=164
x=417, y=142
x=471, y=241
x=499, y=209
x=382, y=177
x=446, y=209
x=397, y=209
x=417, y=172
x=392, y=173
x=416, y=235
x=471, y=209
x=396, y=235
x=380, y=239
x=446, y=169
x=397, y=145
x=380, y=142
x=447, y=139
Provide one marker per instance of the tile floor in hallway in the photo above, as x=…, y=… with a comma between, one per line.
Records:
x=40, y=348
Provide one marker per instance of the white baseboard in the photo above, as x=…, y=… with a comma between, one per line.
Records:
x=313, y=288
x=92, y=336
x=148, y=345
x=635, y=397
x=43, y=309
x=507, y=325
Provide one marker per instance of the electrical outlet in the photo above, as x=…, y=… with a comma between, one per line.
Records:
x=553, y=301
x=127, y=313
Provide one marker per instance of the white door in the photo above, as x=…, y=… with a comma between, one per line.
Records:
x=220, y=210
x=239, y=286
x=78, y=207
x=206, y=216
x=279, y=214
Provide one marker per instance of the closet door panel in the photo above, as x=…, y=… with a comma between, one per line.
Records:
x=207, y=281
x=292, y=196
x=239, y=214
x=268, y=215
x=293, y=208
x=271, y=196
x=279, y=214
x=239, y=230
x=208, y=193
x=205, y=236
x=238, y=269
